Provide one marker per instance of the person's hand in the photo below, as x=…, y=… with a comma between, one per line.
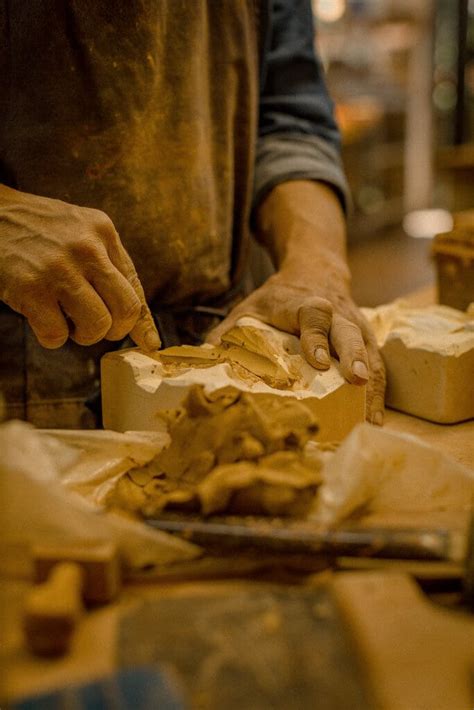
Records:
x=302, y=225
x=65, y=269
x=327, y=320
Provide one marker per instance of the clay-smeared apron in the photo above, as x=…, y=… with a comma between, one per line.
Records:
x=146, y=110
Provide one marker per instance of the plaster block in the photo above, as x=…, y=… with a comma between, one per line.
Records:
x=429, y=357
x=255, y=358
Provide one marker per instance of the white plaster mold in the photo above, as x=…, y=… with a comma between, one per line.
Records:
x=254, y=358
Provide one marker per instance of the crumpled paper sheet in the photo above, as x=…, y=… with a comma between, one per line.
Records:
x=377, y=470
x=36, y=506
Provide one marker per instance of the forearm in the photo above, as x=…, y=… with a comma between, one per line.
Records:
x=302, y=224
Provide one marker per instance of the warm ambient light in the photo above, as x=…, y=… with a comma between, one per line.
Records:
x=425, y=224
x=329, y=10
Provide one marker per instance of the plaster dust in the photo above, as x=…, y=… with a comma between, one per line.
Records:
x=228, y=453
x=429, y=358
x=253, y=358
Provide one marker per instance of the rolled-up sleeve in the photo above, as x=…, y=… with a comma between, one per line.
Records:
x=298, y=136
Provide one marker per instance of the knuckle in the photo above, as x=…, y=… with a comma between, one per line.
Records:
x=351, y=330
x=377, y=365
x=85, y=248
x=91, y=332
x=348, y=334
x=316, y=315
x=319, y=304
x=101, y=325
x=123, y=322
x=59, y=274
x=379, y=382
x=133, y=280
x=75, y=289
x=100, y=219
x=105, y=228
x=377, y=385
x=131, y=311
x=104, y=320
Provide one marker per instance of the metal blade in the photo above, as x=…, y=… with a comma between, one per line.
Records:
x=301, y=537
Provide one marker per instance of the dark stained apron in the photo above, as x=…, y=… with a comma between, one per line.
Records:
x=146, y=110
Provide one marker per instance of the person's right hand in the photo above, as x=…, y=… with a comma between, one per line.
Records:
x=65, y=269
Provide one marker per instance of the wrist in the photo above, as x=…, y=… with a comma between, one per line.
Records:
x=325, y=270
x=303, y=226
x=301, y=222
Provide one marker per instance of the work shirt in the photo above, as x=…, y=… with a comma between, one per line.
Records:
x=175, y=117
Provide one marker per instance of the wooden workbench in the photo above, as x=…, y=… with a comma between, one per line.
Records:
x=455, y=440
x=95, y=648
x=414, y=656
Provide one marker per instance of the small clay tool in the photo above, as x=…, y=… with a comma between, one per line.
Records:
x=67, y=578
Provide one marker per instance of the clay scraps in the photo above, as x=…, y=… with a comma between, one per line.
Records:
x=229, y=453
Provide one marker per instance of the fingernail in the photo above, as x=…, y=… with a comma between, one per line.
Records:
x=359, y=369
x=152, y=340
x=321, y=356
x=378, y=418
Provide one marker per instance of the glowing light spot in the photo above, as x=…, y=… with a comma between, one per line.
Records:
x=425, y=224
x=329, y=10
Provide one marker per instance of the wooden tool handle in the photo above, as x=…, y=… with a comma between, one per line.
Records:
x=52, y=610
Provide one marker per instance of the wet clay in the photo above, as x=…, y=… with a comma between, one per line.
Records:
x=254, y=350
x=228, y=453
x=242, y=419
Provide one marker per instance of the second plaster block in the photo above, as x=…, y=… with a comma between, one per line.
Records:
x=429, y=358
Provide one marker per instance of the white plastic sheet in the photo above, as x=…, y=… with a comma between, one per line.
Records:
x=378, y=470
x=41, y=476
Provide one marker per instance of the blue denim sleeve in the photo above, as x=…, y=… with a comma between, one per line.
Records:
x=298, y=135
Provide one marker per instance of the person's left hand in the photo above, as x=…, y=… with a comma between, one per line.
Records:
x=321, y=311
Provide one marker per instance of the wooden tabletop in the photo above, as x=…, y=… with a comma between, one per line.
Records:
x=403, y=641
x=94, y=650
x=456, y=440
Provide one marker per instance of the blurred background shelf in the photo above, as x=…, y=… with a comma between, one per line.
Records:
x=402, y=76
